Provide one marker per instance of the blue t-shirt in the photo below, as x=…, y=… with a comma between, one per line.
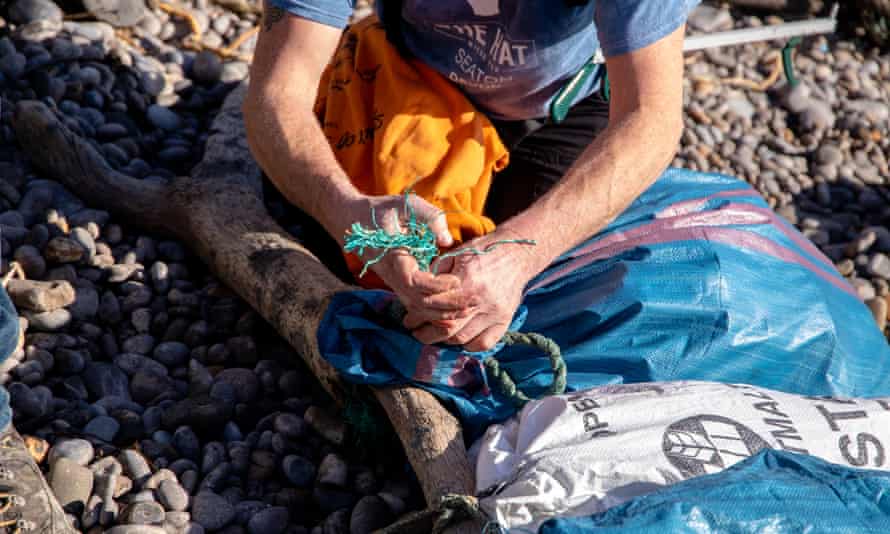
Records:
x=511, y=57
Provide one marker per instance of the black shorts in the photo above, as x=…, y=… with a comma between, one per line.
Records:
x=541, y=153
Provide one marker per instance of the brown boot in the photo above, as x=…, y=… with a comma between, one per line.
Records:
x=27, y=505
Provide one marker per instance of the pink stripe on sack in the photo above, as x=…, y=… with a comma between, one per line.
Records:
x=721, y=217
x=785, y=227
x=666, y=233
x=696, y=204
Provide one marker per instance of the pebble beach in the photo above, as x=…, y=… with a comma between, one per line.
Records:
x=159, y=402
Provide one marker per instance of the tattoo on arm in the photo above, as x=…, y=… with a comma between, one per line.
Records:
x=271, y=15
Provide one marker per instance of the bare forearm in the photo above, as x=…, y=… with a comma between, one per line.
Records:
x=614, y=170
x=288, y=143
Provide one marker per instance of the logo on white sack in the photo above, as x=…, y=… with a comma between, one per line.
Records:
x=708, y=444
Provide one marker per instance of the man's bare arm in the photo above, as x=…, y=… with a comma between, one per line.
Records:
x=282, y=131
x=288, y=143
x=643, y=133
x=626, y=158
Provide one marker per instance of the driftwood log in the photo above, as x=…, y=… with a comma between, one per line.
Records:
x=218, y=211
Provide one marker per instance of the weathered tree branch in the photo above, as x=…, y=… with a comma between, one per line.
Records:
x=219, y=212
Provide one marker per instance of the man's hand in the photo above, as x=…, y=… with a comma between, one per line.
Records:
x=490, y=291
x=398, y=269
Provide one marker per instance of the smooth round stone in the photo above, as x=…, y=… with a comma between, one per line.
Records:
x=31, y=260
x=13, y=65
x=174, y=154
x=140, y=344
x=290, y=426
x=93, y=99
x=817, y=116
x=173, y=496
x=202, y=413
x=109, y=308
x=107, y=465
x=136, y=529
x=211, y=511
x=333, y=470
x=80, y=451
x=879, y=265
x=163, y=118
x=135, y=465
x=171, y=353
x=244, y=381
x=106, y=380
x=206, y=67
x=299, y=470
x=86, y=304
x=50, y=321
x=71, y=483
x=28, y=11
x=365, y=483
x=234, y=71
x=186, y=443
x=178, y=520
x=144, y=513
x=829, y=155
x=147, y=385
x=231, y=432
x=103, y=427
x=141, y=320
x=132, y=363
x=214, y=454
x=120, y=13
x=111, y=131
x=160, y=276
x=370, y=513
x=272, y=520
x=63, y=250
x=25, y=401
x=69, y=362
x=337, y=522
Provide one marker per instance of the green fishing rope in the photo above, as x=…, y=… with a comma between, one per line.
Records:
x=418, y=239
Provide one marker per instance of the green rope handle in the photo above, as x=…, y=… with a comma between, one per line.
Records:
x=420, y=242
x=501, y=379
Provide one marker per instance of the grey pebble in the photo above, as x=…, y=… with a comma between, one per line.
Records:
x=143, y=513
x=370, y=513
x=104, y=379
x=71, y=483
x=171, y=353
x=50, y=321
x=879, y=265
x=103, y=427
x=27, y=11
x=272, y=520
x=80, y=451
x=333, y=471
x=135, y=466
x=135, y=529
x=163, y=118
x=206, y=67
x=186, y=443
x=173, y=496
x=211, y=511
